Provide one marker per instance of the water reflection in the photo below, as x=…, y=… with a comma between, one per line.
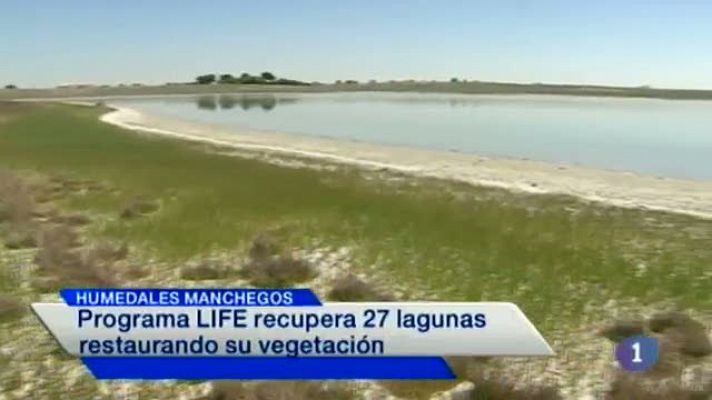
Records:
x=652, y=137
x=245, y=102
x=206, y=103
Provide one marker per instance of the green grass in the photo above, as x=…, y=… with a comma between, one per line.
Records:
x=552, y=255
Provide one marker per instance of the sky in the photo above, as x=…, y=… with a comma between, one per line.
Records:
x=622, y=42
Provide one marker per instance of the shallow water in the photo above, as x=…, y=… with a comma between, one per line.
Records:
x=647, y=136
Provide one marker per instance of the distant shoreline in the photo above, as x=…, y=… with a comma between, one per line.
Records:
x=474, y=87
x=616, y=188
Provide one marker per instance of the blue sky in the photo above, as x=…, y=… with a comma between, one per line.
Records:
x=624, y=42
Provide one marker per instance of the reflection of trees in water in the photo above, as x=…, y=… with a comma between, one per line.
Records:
x=245, y=102
x=207, y=103
x=227, y=102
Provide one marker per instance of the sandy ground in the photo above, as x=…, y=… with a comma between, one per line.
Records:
x=623, y=189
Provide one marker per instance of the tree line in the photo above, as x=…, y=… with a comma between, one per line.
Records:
x=264, y=78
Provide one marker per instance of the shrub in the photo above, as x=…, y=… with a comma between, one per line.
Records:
x=661, y=321
x=283, y=390
x=133, y=272
x=263, y=247
x=46, y=284
x=277, y=271
x=56, y=243
x=490, y=387
x=202, y=272
x=351, y=288
x=73, y=219
x=21, y=239
x=109, y=252
x=48, y=193
x=689, y=335
x=138, y=207
x=466, y=366
x=629, y=388
x=5, y=211
x=500, y=390
x=59, y=257
x=415, y=390
x=10, y=308
x=622, y=329
x=15, y=200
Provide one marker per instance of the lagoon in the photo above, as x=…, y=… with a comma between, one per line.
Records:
x=669, y=138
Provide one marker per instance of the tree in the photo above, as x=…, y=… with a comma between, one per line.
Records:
x=10, y=86
x=268, y=76
x=247, y=78
x=205, y=79
x=454, y=80
x=227, y=78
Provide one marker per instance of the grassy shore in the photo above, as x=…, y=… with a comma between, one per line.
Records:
x=471, y=87
x=570, y=265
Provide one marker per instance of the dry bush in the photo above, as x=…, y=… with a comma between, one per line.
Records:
x=621, y=329
x=45, y=213
x=484, y=389
x=138, y=207
x=72, y=219
x=282, y=390
x=89, y=273
x=10, y=308
x=59, y=257
x=202, y=272
x=466, y=366
x=5, y=211
x=352, y=288
x=16, y=212
x=16, y=203
x=21, y=238
x=659, y=322
x=266, y=268
x=627, y=387
x=689, y=335
x=109, y=252
x=48, y=191
x=133, y=272
x=46, y=284
x=58, y=246
x=493, y=389
x=415, y=390
x=277, y=271
x=263, y=247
